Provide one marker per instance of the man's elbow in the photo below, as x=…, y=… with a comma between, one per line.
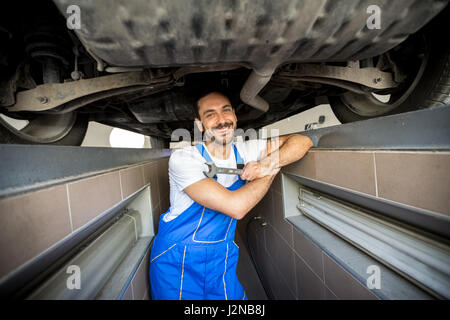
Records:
x=241, y=214
x=302, y=140
x=308, y=142
x=238, y=213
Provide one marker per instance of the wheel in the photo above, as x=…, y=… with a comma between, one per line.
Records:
x=66, y=129
x=425, y=59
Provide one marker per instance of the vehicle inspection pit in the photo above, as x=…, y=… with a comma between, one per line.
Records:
x=364, y=214
x=69, y=206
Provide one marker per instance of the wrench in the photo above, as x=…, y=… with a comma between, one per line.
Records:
x=214, y=170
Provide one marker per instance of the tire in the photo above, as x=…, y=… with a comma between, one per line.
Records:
x=71, y=132
x=429, y=87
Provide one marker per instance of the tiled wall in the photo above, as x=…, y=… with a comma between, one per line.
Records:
x=418, y=179
x=33, y=222
x=293, y=266
x=139, y=287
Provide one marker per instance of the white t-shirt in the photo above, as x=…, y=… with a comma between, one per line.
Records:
x=186, y=166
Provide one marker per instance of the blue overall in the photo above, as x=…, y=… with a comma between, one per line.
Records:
x=194, y=256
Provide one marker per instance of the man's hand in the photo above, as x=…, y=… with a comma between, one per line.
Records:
x=211, y=194
x=280, y=152
x=258, y=169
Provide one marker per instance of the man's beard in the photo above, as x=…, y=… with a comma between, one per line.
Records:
x=225, y=140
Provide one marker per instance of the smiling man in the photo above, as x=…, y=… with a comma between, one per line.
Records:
x=194, y=255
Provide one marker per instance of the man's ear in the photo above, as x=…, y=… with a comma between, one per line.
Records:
x=199, y=124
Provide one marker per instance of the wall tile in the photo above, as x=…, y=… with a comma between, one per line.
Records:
x=329, y=295
x=309, y=285
x=352, y=170
x=311, y=253
x=241, y=224
x=281, y=255
x=419, y=180
x=276, y=184
x=131, y=179
x=247, y=274
x=282, y=291
x=274, y=282
x=343, y=284
x=31, y=223
x=305, y=167
x=151, y=176
x=128, y=295
x=255, y=234
x=90, y=197
x=165, y=203
x=264, y=208
x=163, y=178
x=141, y=280
x=156, y=215
x=266, y=269
x=277, y=220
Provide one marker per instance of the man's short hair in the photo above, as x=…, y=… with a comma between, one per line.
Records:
x=204, y=93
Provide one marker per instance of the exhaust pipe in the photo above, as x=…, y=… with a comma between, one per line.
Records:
x=254, y=84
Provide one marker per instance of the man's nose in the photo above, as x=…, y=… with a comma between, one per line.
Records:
x=221, y=120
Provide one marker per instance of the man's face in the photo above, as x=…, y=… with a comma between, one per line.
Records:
x=218, y=117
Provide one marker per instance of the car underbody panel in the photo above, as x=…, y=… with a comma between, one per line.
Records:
x=259, y=34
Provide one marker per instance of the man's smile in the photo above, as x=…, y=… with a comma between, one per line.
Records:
x=223, y=129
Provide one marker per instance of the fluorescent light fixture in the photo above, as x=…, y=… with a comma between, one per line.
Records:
x=421, y=259
x=96, y=262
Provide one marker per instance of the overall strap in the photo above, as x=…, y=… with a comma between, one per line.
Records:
x=201, y=148
x=239, y=161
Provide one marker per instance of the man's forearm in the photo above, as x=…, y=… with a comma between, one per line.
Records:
x=293, y=149
x=250, y=194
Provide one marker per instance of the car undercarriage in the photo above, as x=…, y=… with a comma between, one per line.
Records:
x=139, y=65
